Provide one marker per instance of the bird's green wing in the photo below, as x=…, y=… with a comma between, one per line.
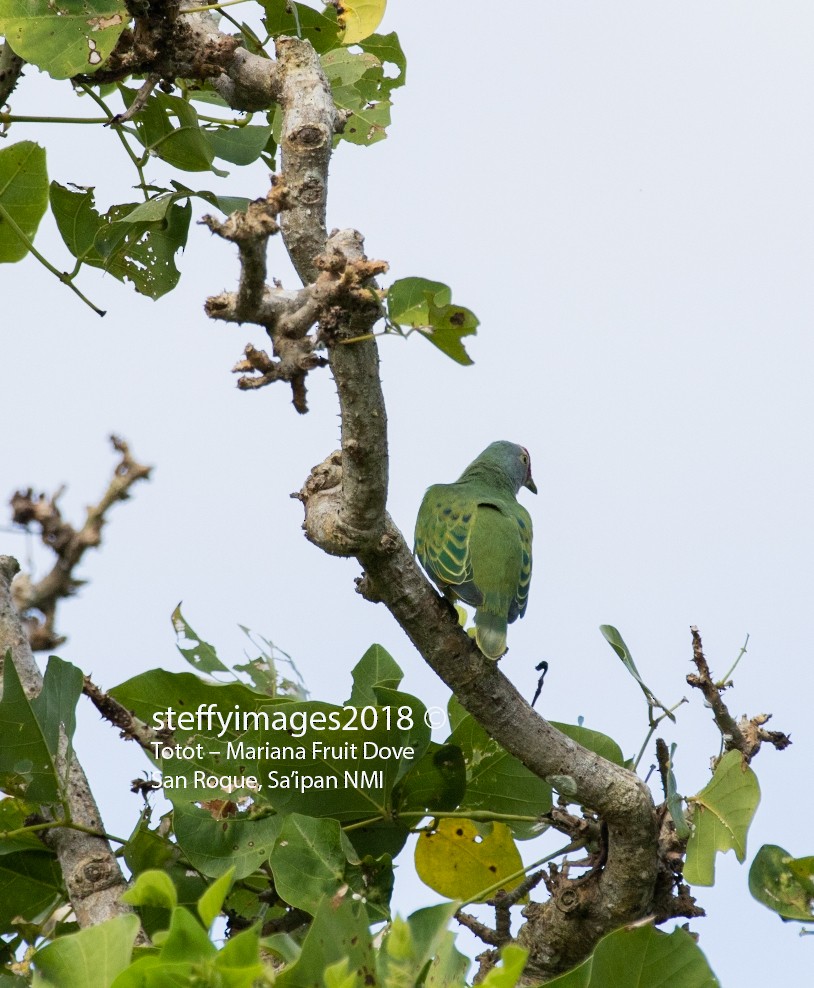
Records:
x=442, y=540
x=518, y=608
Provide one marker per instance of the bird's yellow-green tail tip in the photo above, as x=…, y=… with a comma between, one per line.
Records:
x=490, y=634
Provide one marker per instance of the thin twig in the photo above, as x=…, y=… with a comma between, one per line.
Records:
x=745, y=735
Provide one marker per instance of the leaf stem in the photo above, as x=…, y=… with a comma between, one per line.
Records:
x=35, y=828
x=137, y=162
x=10, y=118
x=61, y=275
x=573, y=846
x=725, y=679
x=654, y=724
x=209, y=6
x=482, y=815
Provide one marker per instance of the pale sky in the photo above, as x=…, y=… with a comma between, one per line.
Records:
x=623, y=194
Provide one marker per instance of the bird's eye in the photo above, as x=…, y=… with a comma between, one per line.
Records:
x=524, y=457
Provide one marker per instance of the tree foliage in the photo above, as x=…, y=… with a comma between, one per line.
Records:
x=287, y=812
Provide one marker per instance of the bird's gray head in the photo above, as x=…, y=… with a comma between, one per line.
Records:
x=513, y=460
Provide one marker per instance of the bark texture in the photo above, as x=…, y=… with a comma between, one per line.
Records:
x=91, y=873
x=345, y=514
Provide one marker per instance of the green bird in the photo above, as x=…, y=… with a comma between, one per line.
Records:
x=473, y=537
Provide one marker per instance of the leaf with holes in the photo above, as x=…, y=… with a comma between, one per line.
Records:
x=462, y=859
x=783, y=883
x=71, y=38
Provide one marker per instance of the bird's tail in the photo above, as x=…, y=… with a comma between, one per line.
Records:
x=490, y=633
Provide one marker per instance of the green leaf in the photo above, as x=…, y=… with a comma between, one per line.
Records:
x=185, y=952
x=354, y=77
x=239, y=145
x=13, y=816
x=437, y=782
x=369, y=125
x=28, y=759
x=211, y=902
x=55, y=705
x=455, y=712
x=449, y=966
x=226, y=204
x=722, y=812
x=513, y=960
x=313, y=859
x=23, y=196
x=350, y=773
x=75, y=37
x=411, y=945
x=152, y=888
x=359, y=19
x=91, y=958
x=376, y=668
x=675, y=802
x=8, y=980
x=339, y=930
x=380, y=837
x=499, y=782
x=198, y=653
x=426, y=306
x=407, y=299
x=77, y=219
x=30, y=879
x=304, y=756
x=139, y=252
x=183, y=145
x=308, y=860
x=448, y=325
x=339, y=975
x=462, y=860
x=783, y=883
x=215, y=847
x=186, y=939
x=371, y=881
x=616, y=642
x=387, y=48
x=593, y=741
x=238, y=962
x=358, y=84
x=642, y=957
x=147, y=849
x=148, y=852
x=300, y=21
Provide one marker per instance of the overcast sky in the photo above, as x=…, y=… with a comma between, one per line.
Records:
x=623, y=194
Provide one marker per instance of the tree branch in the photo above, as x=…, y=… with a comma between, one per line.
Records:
x=345, y=500
x=130, y=726
x=68, y=543
x=90, y=870
x=11, y=68
x=310, y=120
x=745, y=735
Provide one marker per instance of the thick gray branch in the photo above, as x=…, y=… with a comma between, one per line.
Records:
x=345, y=514
x=310, y=120
x=11, y=67
x=91, y=872
x=562, y=931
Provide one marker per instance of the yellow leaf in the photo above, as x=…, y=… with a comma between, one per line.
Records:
x=359, y=18
x=459, y=861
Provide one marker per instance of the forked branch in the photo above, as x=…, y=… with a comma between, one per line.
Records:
x=37, y=601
